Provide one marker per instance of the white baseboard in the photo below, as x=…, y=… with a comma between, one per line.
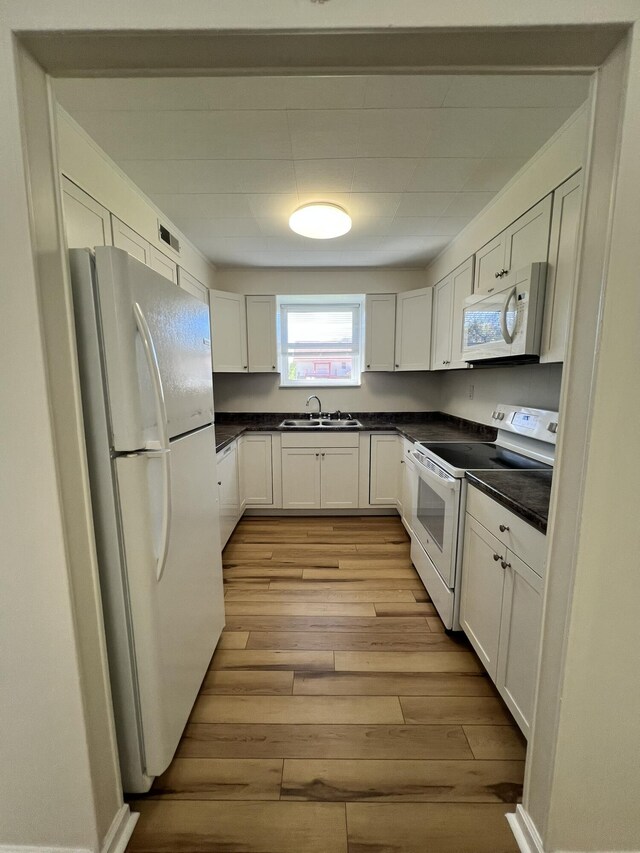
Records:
x=525, y=832
x=120, y=831
x=21, y=848
x=115, y=840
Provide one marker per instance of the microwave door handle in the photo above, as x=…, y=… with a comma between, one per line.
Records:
x=508, y=337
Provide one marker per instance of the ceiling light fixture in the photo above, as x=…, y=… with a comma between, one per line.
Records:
x=320, y=221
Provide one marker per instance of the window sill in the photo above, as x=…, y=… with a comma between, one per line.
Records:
x=321, y=385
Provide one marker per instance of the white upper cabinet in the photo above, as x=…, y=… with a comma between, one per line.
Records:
x=565, y=222
x=413, y=330
x=87, y=223
x=524, y=242
x=228, y=332
x=380, y=331
x=193, y=286
x=129, y=240
x=448, y=305
x=162, y=264
x=261, y=334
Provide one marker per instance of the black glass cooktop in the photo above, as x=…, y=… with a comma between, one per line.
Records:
x=476, y=454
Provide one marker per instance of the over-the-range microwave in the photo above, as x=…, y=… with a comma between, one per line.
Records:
x=506, y=325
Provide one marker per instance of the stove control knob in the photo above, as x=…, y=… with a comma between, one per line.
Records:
x=553, y=427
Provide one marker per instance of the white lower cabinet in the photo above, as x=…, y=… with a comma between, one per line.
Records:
x=256, y=470
x=320, y=475
x=300, y=478
x=501, y=604
x=338, y=478
x=519, y=639
x=229, y=491
x=383, y=470
x=481, y=594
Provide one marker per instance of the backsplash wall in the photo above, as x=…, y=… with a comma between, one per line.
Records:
x=536, y=385
x=379, y=392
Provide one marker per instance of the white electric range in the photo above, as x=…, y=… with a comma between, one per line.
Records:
x=526, y=441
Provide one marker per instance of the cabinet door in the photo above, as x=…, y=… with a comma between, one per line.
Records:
x=565, y=222
x=228, y=332
x=227, y=461
x=339, y=477
x=481, y=594
x=193, y=286
x=519, y=639
x=461, y=287
x=242, y=495
x=300, y=478
x=413, y=329
x=261, y=334
x=442, y=317
x=383, y=482
x=380, y=332
x=489, y=261
x=162, y=264
x=87, y=223
x=527, y=239
x=256, y=470
x=126, y=238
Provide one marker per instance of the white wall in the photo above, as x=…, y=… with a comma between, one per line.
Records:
x=288, y=281
x=86, y=164
x=535, y=385
x=379, y=392
x=557, y=160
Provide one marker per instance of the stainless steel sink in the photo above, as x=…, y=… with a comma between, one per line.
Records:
x=325, y=423
x=300, y=422
x=341, y=422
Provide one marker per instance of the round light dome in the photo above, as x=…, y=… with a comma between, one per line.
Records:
x=320, y=221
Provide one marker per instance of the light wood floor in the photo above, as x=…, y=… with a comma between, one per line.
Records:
x=337, y=716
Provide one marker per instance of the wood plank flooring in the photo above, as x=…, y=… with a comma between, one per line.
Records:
x=337, y=715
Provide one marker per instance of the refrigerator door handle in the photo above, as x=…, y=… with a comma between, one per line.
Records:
x=163, y=450
x=166, y=507
x=156, y=379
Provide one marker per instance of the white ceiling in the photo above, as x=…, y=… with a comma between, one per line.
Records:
x=412, y=158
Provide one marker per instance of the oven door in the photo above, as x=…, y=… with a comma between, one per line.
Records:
x=435, y=513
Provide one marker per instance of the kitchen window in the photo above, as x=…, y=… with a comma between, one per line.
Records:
x=320, y=340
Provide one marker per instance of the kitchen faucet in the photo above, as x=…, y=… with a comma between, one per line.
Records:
x=315, y=397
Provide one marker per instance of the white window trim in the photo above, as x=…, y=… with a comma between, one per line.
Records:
x=322, y=302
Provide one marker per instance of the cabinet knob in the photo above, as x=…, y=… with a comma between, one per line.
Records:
x=244, y=366
x=273, y=367
x=497, y=557
x=317, y=454
x=503, y=528
x=498, y=274
x=368, y=366
x=505, y=565
x=397, y=365
x=219, y=482
x=323, y=454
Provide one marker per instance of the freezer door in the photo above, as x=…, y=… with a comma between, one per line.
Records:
x=151, y=330
x=176, y=604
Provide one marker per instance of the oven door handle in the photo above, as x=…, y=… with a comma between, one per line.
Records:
x=446, y=481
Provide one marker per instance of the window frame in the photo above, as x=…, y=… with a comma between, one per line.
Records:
x=321, y=302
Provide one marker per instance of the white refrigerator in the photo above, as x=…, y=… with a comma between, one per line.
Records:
x=144, y=353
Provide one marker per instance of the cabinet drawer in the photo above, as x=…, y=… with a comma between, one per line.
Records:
x=320, y=439
x=524, y=540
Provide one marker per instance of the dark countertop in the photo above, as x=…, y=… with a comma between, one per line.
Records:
x=526, y=493
x=416, y=426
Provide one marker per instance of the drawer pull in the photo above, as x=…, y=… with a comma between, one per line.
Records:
x=504, y=528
